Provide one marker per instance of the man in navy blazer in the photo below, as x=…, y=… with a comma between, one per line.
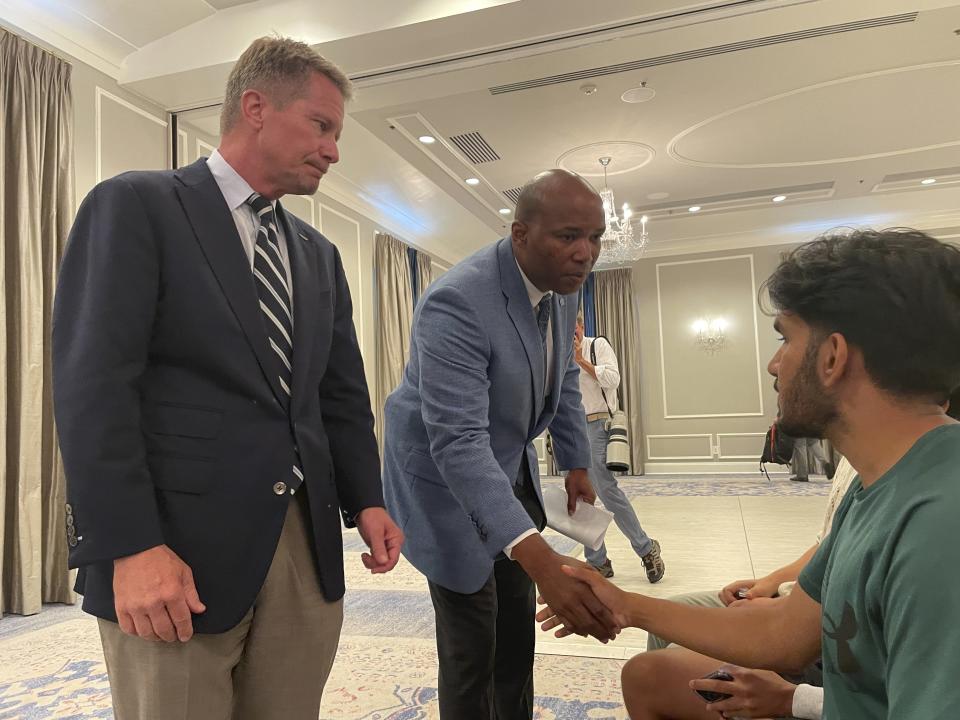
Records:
x=491, y=367
x=213, y=414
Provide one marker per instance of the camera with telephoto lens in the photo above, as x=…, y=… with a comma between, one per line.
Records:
x=618, y=444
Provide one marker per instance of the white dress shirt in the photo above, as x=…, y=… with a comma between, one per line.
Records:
x=235, y=191
x=536, y=295
x=607, y=380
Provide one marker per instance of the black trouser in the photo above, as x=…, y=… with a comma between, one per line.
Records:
x=486, y=640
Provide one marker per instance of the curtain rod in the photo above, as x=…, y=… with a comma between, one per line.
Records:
x=36, y=44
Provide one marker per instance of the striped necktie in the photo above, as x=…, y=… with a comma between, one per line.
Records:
x=271, y=280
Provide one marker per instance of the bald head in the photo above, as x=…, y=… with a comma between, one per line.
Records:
x=556, y=183
x=557, y=229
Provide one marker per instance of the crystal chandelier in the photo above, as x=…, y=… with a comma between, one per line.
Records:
x=619, y=244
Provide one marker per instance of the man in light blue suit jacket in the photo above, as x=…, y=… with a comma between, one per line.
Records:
x=491, y=366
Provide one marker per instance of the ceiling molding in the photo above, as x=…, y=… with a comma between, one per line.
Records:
x=705, y=12
x=20, y=21
x=675, y=153
x=750, y=44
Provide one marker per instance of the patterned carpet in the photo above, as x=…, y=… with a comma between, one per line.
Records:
x=57, y=671
x=51, y=665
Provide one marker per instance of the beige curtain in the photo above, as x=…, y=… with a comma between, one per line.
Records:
x=36, y=209
x=617, y=320
x=424, y=271
x=394, y=319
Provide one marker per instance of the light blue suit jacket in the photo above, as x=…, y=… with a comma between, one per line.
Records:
x=472, y=399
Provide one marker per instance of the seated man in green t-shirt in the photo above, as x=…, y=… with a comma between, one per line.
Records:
x=871, y=351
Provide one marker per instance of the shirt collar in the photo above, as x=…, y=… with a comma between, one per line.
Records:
x=235, y=189
x=533, y=292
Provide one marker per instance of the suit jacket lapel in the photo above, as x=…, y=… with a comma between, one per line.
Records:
x=306, y=313
x=216, y=232
x=522, y=315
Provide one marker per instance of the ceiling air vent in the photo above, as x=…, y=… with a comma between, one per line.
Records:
x=513, y=194
x=475, y=147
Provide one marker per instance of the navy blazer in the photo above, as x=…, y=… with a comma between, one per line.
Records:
x=472, y=399
x=167, y=401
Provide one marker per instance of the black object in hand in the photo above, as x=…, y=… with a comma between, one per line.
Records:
x=709, y=695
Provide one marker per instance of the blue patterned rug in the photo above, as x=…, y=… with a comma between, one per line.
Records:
x=51, y=665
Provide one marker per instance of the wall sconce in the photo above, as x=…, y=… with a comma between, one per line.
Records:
x=710, y=334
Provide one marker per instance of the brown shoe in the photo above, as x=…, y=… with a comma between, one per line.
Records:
x=653, y=563
x=606, y=569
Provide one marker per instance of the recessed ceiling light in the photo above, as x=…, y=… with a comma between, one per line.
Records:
x=427, y=139
x=693, y=208
x=472, y=181
x=638, y=94
x=504, y=211
x=658, y=196
x=779, y=198
x=928, y=181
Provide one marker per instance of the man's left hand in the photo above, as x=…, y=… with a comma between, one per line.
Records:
x=578, y=486
x=383, y=538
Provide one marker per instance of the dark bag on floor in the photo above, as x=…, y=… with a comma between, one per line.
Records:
x=777, y=448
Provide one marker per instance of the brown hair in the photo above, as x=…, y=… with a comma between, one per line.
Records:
x=278, y=67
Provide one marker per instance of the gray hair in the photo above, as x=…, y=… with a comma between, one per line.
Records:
x=280, y=68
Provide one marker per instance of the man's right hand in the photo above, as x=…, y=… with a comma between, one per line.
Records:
x=571, y=600
x=613, y=598
x=154, y=595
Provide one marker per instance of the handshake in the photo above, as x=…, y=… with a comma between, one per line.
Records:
x=607, y=604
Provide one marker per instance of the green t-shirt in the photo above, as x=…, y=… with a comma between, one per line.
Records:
x=888, y=580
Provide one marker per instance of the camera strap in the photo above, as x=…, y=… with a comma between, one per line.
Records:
x=593, y=361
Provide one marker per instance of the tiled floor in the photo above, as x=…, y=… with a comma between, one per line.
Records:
x=711, y=532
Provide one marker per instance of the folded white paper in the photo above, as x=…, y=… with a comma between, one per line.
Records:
x=587, y=525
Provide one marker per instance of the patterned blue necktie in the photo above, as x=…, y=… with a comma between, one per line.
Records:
x=543, y=318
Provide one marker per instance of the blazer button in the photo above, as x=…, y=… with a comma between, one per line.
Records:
x=69, y=509
x=69, y=519
x=72, y=541
x=279, y=488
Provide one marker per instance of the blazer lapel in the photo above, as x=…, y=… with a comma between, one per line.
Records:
x=217, y=234
x=521, y=313
x=306, y=311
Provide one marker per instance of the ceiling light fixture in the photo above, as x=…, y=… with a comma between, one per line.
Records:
x=638, y=94
x=619, y=244
x=928, y=181
x=504, y=211
x=779, y=198
x=472, y=181
x=427, y=139
x=693, y=208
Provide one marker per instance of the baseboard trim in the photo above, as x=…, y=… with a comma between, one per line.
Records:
x=711, y=468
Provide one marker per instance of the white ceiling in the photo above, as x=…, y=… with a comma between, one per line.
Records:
x=841, y=105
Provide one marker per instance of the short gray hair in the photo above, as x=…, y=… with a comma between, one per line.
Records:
x=279, y=67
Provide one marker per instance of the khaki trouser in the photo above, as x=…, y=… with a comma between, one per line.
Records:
x=273, y=664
